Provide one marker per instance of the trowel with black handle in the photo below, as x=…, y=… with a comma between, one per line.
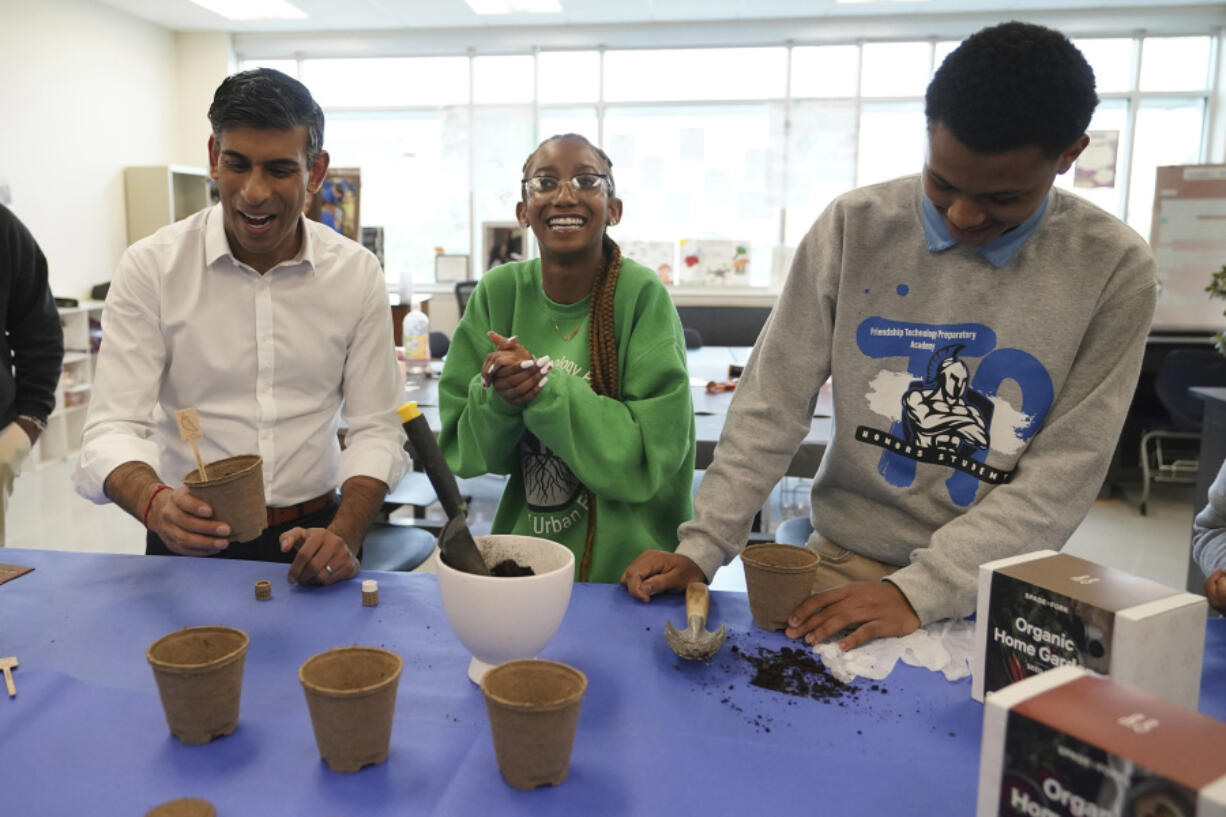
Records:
x=455, y=542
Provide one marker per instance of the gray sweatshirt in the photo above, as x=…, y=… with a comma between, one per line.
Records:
x=1209, y=530
x=976, y=408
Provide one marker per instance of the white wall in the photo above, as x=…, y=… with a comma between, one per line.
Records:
x=86, y=91
x=202, y=61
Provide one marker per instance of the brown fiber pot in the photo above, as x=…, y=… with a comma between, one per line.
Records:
x=777, y=578
x=533, y=707
x=351, y=694
x=199, y=673
x=235, y=489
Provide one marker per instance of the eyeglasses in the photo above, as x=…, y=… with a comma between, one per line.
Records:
x=580, y=183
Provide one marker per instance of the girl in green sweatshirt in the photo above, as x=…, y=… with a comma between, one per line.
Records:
x=568, y=374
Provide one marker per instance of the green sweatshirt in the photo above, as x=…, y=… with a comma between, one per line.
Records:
x=635, y=454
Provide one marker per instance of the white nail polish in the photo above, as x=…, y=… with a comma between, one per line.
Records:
x=541, y=361
x=541, y=385
x=527, y=364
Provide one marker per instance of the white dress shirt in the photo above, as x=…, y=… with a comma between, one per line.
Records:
x=270, y=362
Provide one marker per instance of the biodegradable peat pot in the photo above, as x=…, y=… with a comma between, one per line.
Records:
x=235, y=489
x=503, y=618
x=351, y=694
x=533, y=707
x=777, y=578
x=199, y=673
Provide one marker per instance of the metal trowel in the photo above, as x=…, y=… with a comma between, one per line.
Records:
x=455, y=542
x=695, y=642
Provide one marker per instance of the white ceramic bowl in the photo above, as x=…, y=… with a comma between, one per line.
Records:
x=501, y=619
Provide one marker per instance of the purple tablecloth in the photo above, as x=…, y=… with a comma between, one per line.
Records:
x=86, y=733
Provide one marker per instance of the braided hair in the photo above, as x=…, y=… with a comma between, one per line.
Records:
x=602, y=337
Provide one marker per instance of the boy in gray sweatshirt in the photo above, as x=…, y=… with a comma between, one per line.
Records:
x=983, y=333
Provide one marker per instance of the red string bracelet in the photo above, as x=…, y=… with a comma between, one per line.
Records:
x=144, y=519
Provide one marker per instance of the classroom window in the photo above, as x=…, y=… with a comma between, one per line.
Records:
x=386, y=82
x=1111, y=60
x=503, y=79
x=1175, y=64
x=695, y=172
x=579, y=119
x=414, y=182
x=695, y=74
x=892, y=140
x=708, y=142
x=1168, y=133
x=825, y=71
x=895, y=69
x=568, y=76
x=503, y=137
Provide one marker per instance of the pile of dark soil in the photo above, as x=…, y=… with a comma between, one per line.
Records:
x=510, y=568
x=795, y=672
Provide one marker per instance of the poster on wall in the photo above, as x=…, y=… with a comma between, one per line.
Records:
x=655, y=255
x=338, y=200
x=1188, y=236
x=502, y=242
x=713, y=263
x=1096, y=165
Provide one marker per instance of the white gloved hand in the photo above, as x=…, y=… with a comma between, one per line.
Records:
x=15, y=446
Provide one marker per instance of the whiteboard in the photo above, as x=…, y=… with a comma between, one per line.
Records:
x=1188, y=237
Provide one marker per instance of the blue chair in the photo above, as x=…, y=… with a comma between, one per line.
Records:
x=399, y=547
x=794, y=531
x=440, y=344
x=1179, y=371
x=464, y=291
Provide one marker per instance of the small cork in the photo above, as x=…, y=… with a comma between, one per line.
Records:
x=263, y=590
x=185, y=807
x=370, y=593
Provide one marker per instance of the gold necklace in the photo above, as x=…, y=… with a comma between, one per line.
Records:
x=565, y=336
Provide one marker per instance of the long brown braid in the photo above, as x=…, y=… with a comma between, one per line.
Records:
x=602, y=353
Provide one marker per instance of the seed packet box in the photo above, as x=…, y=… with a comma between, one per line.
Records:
x=1072, y=743
x=1045, y=609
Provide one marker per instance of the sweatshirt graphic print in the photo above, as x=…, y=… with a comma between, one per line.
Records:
x=951, y=406
x=556, y=499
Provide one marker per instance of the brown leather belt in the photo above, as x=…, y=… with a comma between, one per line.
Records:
x=282, y=516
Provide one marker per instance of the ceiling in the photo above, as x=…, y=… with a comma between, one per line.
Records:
x=373, y=15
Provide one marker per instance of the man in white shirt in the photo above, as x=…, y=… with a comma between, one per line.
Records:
x=272, y=327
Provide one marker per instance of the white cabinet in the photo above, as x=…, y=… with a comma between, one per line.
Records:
x=157, y=195
x=62, y=437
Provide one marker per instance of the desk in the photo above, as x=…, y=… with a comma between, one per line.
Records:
x=656, y=735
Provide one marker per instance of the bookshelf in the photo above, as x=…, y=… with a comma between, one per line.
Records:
x=62, y=437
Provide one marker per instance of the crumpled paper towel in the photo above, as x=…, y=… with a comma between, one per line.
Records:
x=944, y=646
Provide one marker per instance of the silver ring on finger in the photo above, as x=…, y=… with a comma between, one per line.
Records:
x=329, y=569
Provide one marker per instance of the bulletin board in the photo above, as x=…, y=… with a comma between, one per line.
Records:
x=1188, y=237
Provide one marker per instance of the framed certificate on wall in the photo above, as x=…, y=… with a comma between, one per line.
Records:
x=448, y=267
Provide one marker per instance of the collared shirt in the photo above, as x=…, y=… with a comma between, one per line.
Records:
x=997, y=252
x=270, y=362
